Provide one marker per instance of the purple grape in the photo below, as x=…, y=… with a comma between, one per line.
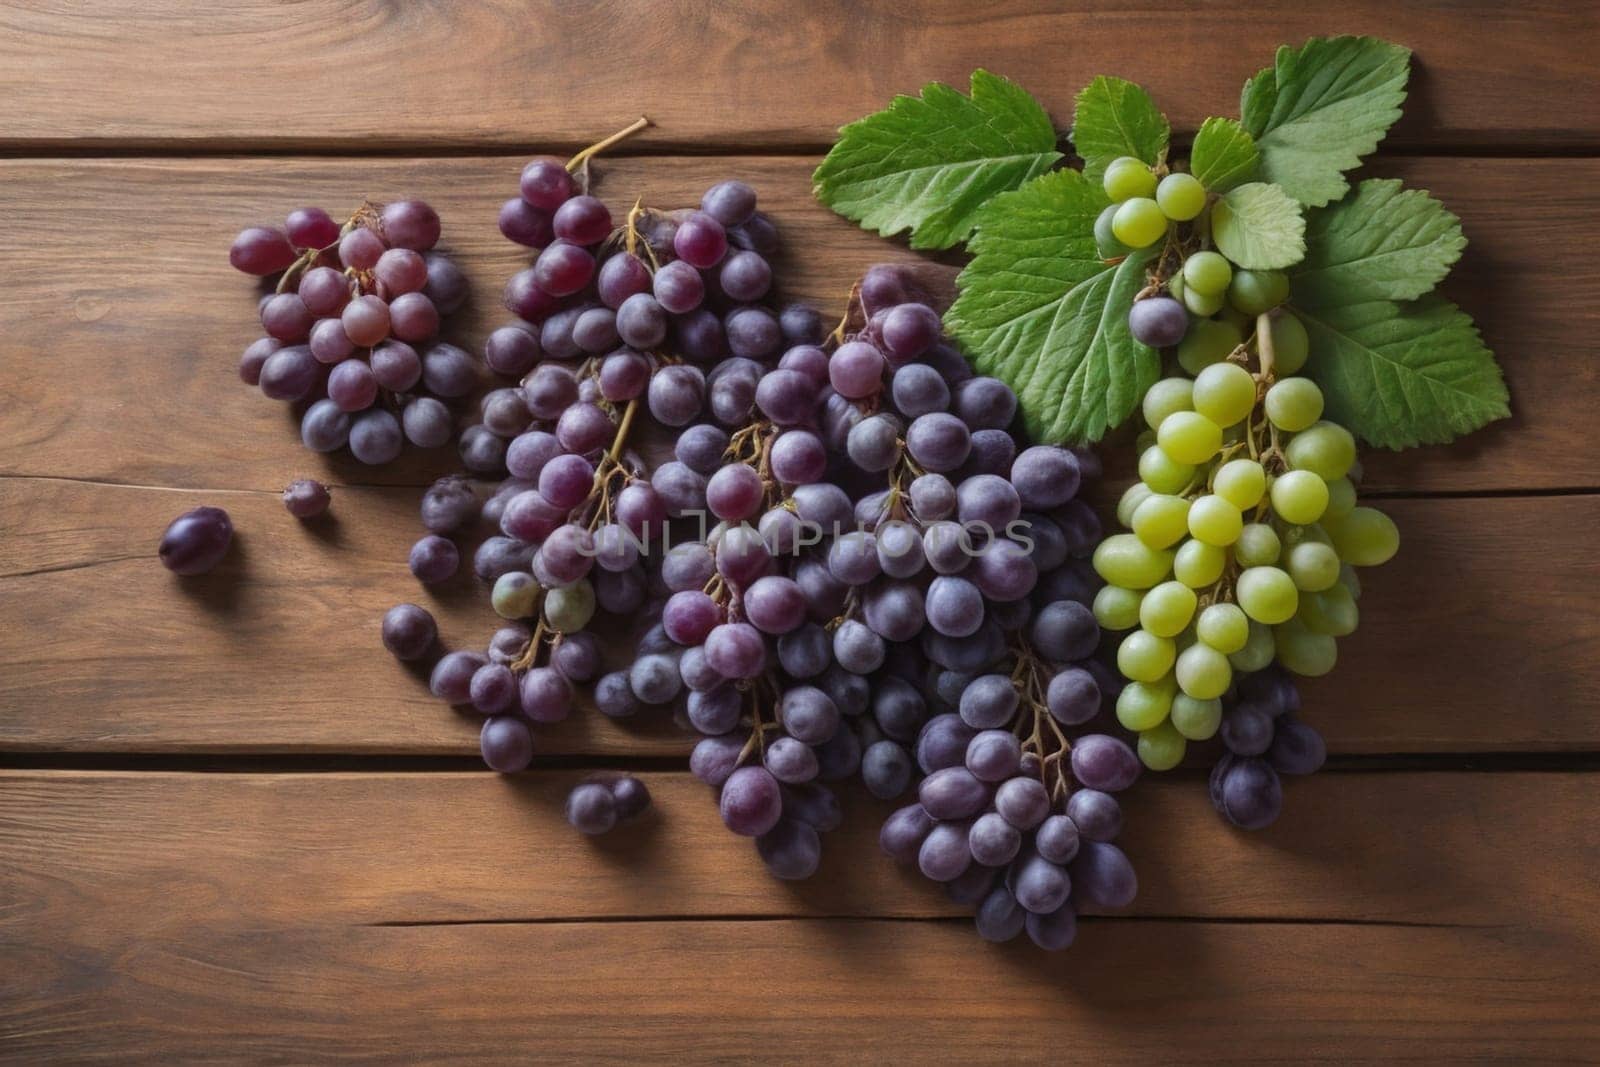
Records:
x=621, y=276
x=260, y=251
x=525, y=224
x=583, y=220
x=700, y=241
x=563, y=268
x=196, y=541
x=1102, y=762
x=904, y=831
x=750, y=802
x=1158, y=321
x=410, y=224
x=546, y=184
x=324, y=428
x=729, y=202
x=590, y=808
x=506, y=744
x=434, y=559
x=449, y=371
x=305, y=498
x=1023, y=802
x=311, y=227
x=408, y=631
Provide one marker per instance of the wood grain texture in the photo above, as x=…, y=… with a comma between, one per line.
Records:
x=287, y=918
x=774, y=74
x=125, y=371
x=125, y=851
x=278, y=649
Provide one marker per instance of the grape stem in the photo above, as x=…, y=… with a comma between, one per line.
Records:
x=1028, y=677
x=579, y=164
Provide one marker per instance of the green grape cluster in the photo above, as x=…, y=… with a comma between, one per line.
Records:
x=1144, y=209
x=1243, y=532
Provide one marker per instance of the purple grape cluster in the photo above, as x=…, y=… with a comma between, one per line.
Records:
x=352, y=330
x=1264, y=738
x=659, y=317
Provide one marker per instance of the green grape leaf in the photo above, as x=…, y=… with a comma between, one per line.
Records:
x=1117, y=118
x=1223, y=156
x=1320, y=108
x=1259, y=227
x=1040, y=310
x=927, y=164
x=1382, y=243
x=1398, y=375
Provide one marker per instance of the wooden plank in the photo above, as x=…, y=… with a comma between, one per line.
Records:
x=146, y=341
x=164, y=74
x=821, y=991
x=102, y=850
x=298, y=917
x=278, y=650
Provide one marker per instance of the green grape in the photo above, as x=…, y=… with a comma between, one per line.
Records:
x=1142, y=705
x=1146, y=439
x=1332, y=612
x=1215, y=521
x=1196, y=720
x=1258, y=545
x=1303, y=652
x=1162, y=748
x=1203, y=672
x=570, y=608
x=1245, y=324
x=1257, y=652
x=1165, y=397
x=1123, y=559
x=1267, y=594
x=1224, y=627
x=1365, y=538
x=1116, y=608
x=1290, y=344
x=1293, y=404
x=1202, y=304
x=1257, y=291
x=1325, y=448
x=1350, y=580
x=1294, y=535
x=1299, y=497
x=1198, y=564
x=1105, y=238
x=1132, y=497
x=1181, y=197
x=1127, y=177
x=1175, y=287
x=1313, y=565
x=1144, y=657
x=1208, y=341
x=1341, y=498
x=1241, y=482
x=1139, y=223
x=1224, y=393
x=515, y=595
x=1189, y=437
x=1162, y=520
x=1167, y=609
x=1162, y=473
x=1207, y=272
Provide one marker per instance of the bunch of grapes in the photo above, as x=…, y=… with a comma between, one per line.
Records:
x=967, y=611
x=659, y=316
x=1245, y=530
x=352, y=329
x=1264, y=738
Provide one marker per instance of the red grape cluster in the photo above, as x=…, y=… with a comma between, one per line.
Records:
x=352, y=328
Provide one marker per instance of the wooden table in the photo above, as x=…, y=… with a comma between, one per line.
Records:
x=231, y=827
